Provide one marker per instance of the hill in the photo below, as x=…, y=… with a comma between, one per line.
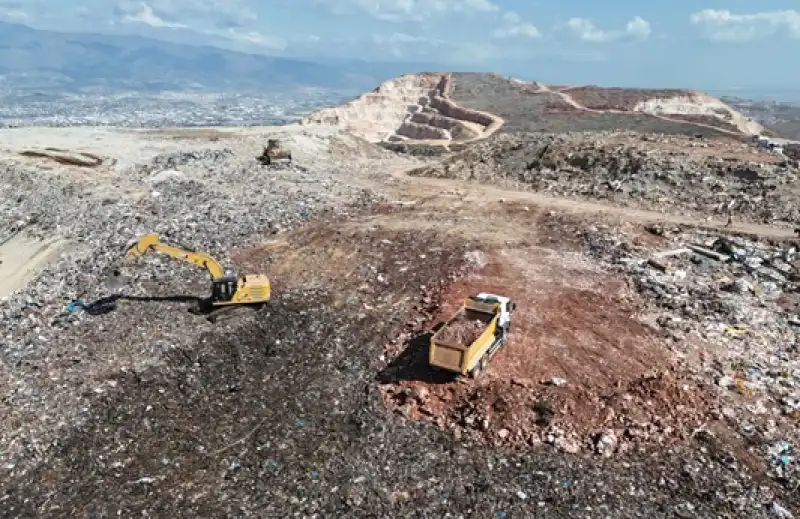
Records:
x=446, y=108
x=50, y=61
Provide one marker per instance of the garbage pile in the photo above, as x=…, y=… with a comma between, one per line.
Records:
x=217, y=205
x=648, y=172
x=171, y=161
x=732, y=304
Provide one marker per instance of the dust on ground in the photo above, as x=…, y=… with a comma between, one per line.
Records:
x=21, y=258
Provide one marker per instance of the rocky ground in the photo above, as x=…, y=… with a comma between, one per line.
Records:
x=650, y=368
x=664, y=173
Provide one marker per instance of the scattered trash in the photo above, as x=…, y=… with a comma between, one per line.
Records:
x=73, y=306
x=779, y=511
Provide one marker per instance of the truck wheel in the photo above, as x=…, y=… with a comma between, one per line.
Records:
x=477, y=371
x=480, y=368
x=484, y=364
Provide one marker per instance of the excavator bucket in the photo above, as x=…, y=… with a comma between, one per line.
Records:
x=141, y=246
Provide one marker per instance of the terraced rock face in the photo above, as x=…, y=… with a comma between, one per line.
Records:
x=414, y=107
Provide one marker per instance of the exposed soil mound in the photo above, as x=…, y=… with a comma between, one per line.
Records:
x=699, y=104
x=578, y=371
x=440, y=108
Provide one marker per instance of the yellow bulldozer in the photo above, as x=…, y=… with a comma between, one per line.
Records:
x=274, y=153
x=227, y=290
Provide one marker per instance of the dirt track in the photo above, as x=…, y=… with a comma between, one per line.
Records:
x=457, y=194
x=526, y=108
x=567, y=98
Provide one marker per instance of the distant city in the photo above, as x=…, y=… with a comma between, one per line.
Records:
x=778, y=95
x=172, y=109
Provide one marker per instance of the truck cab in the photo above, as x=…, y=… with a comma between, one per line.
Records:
x=507, y=307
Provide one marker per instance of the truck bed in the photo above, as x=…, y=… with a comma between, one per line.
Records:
x=464, y=329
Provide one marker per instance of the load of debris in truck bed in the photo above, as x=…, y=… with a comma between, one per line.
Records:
x=464, y=330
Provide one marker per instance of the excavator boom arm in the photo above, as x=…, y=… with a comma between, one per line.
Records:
x=151, y=242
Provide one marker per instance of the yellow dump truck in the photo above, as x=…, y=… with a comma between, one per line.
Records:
x=470, y=338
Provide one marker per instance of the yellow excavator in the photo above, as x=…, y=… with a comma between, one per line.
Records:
x=226, y=288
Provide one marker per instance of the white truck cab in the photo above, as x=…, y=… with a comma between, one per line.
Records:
x=507, y=307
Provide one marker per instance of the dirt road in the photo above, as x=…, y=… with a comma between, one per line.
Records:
x=567, y=98
x=434, y=191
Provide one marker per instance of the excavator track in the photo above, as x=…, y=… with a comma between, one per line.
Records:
x=214, y=313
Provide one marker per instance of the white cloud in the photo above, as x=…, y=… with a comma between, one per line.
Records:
x=255, y=38
x=218, y=13
x=584, y=29
x=484, y=6
x=306, y=38
x=408, y=10
x=514, y=26
x=639, y=28
x=15, y=10
x=17, y=14
x=401, y=45
x=723, y=25
x=194, y=16
x=146, y=16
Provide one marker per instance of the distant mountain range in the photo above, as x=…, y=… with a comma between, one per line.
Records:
x=47, y=61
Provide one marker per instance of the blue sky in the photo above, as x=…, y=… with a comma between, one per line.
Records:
x=714, y=44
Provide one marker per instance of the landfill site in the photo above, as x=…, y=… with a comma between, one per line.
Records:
x=636, y=252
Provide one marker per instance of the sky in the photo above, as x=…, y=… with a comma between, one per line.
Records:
x=729, y=44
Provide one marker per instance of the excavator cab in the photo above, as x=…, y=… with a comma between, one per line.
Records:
x=223, y=289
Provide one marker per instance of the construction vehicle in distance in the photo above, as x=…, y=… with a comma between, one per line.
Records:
x=227, y=289
x=470, y=338
x=274, y=152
